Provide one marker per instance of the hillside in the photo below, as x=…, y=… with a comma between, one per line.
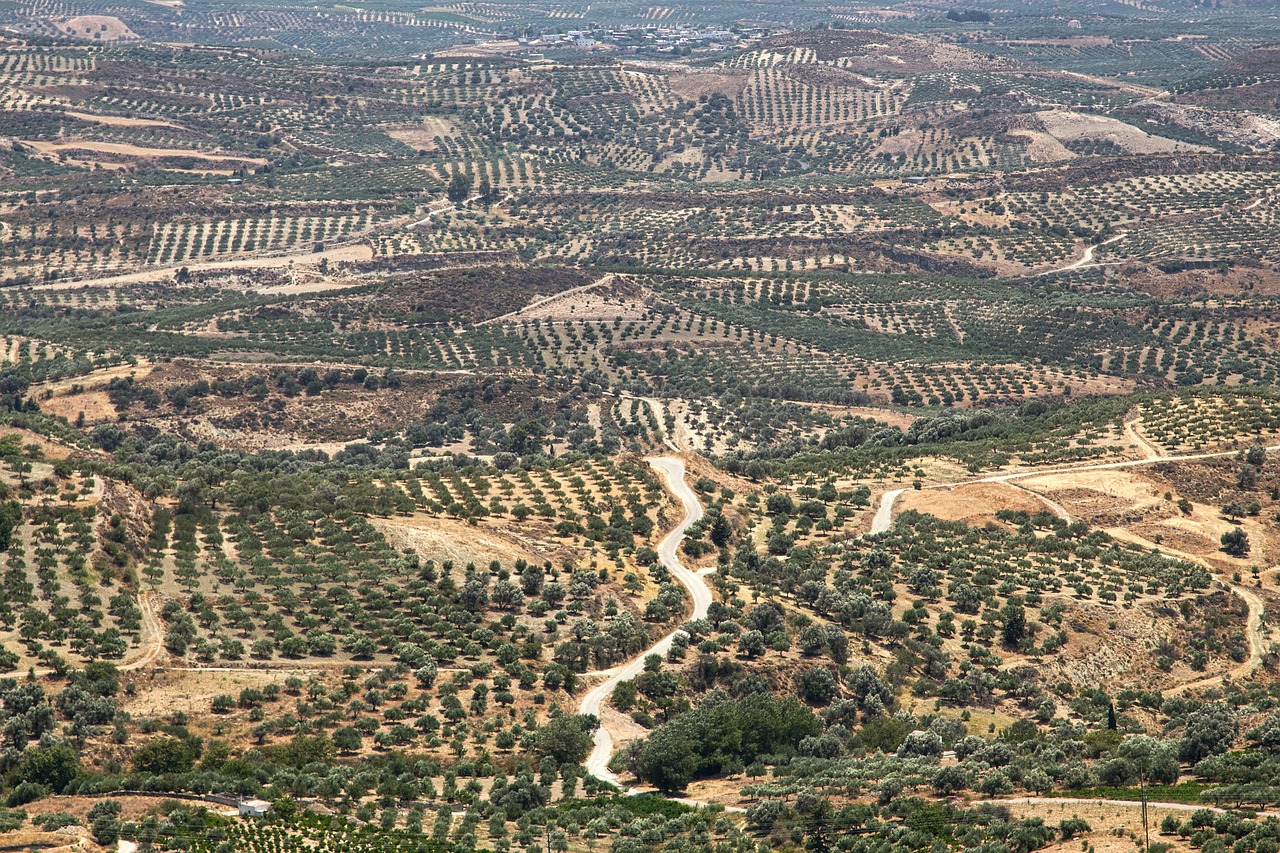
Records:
x=425, y=428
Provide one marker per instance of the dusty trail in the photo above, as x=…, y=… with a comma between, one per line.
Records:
x=151, y=640
x=1178, y=807
x=1131, y=432
x=1098, y=466
x=660, y=415
x=1087, y=258
x=607, y=278
x=443, y=207
x=1056, y=508
x=353, y=251
x=673, y=471
x=152, y=634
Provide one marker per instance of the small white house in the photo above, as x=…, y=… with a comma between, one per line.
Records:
x=253, y=808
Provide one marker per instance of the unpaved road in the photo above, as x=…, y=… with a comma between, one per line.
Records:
x=152, y=634
x=1253, y=622
x=1056, y=508
x=151, y=639
x=1133, y=434
x=660, y=415
x=1179, y=807
x=607, y=278
x=347, y=252
x=884, y=515
x=672, y=470
x=1086, y=259
x=1098, y=466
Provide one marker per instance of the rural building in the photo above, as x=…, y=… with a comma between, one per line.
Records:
x=253, y=808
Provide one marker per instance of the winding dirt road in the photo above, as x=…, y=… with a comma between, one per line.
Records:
x=672, y=469
x=1253, y=622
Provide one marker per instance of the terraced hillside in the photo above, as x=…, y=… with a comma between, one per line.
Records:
x=854, y=427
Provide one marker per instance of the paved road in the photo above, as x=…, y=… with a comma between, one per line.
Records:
x=672, y=470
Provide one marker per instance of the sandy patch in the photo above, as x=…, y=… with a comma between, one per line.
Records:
x=50, y=842
x=1119, y=483
x=443, y=539
x=134, y=806
x=903, y=420
x=422, y=137
x=972, y=504
x=1068, y=126
x=1044, y=148
x=312, y=285
x=121, y=121
x=621, y=727
x=48, y=449
x=95, y=405
x=87, y=393
x=127, y=150
x=193, y=692
x=906, y=142
x=1104, y=821
x=694, y=84
x=96, y=27
x=354, y=253
x=592, y=305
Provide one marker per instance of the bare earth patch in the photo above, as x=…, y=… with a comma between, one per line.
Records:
x=96, y=27
x=122, y=121
x=443, y=539
x=1044, y=148
x=422, y=137
x=1070, y=126
x=695, y=84
x=973, y=504
x=193, y=692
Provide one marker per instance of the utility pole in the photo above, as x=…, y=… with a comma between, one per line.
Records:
x=1146, y=827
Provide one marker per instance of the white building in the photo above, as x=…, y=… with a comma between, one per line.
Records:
x=253, y=808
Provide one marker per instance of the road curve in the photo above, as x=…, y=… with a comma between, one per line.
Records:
x=151, y=639
x=1253, y=622
x=884, y=515
x=672, y=470
x=1087, y=258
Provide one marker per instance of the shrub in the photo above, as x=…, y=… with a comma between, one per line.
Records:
x=706, y=740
